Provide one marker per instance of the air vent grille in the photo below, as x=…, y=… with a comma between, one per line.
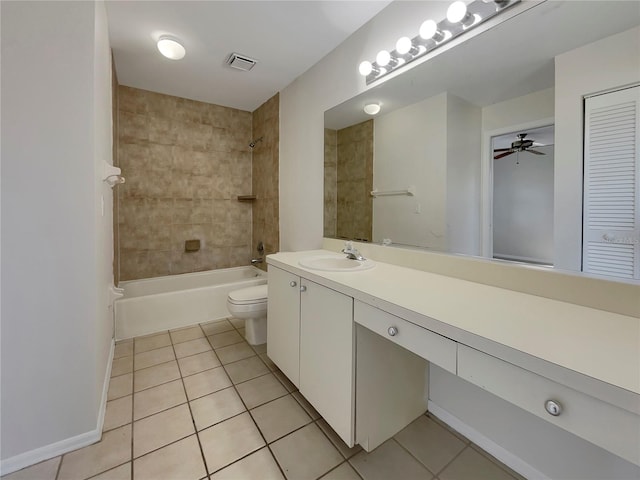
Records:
x=241, y=62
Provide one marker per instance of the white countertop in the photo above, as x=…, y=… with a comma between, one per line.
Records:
x=596, y=343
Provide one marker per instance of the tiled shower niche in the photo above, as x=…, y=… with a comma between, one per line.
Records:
x=185, y=163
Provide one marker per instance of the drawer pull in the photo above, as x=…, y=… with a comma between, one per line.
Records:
x=393, y=331
x=293, y=283
x=303, y=288
x=553, y=407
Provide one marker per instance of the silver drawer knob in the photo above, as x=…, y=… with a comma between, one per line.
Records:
x=303, y=288
x=393, y=331
x=553, y=407
x=293, y=283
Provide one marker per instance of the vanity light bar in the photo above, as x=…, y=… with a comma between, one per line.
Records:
x=460, y=19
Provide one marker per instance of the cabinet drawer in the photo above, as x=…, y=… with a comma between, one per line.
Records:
x=425, y=343
x=601, y=423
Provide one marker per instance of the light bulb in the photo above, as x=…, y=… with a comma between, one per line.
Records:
x=171, y=49
x=372, y=108
x=428, y=29
x=383, y=58
x=456, y=11
x=403, y=45
x=365, y=68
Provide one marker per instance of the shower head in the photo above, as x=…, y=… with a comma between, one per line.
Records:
x=253, y=143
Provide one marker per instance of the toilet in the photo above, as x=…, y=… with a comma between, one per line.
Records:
x=251, y=305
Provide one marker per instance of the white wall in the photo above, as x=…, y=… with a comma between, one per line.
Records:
x=523, y=206
x=444, y=167
x=602, y=65
x=56, y=331
x=464, y=156
x=400, y=161
x=523, y=110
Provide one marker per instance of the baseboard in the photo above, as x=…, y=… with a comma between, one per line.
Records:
x=38, y=455
x=488, y=445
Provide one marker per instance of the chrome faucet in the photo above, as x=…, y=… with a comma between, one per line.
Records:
x=352, y=252
x=256, y=260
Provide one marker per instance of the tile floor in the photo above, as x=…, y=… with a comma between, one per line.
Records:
x=200, y=402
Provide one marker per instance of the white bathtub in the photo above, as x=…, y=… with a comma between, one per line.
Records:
x=155, y=304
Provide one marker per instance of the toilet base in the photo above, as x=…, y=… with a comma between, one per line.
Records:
x=256, y=330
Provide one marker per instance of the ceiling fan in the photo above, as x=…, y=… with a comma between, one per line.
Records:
x=520, y=145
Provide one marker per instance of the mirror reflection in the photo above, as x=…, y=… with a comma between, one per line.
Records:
x=491, y=148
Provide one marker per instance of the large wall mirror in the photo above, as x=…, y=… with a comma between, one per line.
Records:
x=479, y=150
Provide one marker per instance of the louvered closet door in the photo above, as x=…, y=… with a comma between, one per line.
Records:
x=611, y=230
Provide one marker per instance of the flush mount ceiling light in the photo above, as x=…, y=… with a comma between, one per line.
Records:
x=171, y=48
x=461, y=17
x=372, y=108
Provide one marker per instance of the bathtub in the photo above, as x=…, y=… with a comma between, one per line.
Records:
x=155, y=304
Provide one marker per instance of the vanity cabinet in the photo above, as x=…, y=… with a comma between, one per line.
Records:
x=311, y=337
x=327, y=356
x=283, y=322
x=614, y=429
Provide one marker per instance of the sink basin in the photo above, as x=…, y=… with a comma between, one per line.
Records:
x=335, y=263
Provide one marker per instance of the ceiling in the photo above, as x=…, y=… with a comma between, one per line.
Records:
x=285, y=37
x=509, y=60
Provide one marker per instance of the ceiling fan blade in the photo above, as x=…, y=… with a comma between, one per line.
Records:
x=501, y=149
x=535, y=151
x=500, y=155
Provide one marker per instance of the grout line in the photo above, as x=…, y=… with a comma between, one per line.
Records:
x=338, y=466
x=59, y=466
x=452, y=460
x=492, y=459
x=112, y=468
x=193, y=422
x=133, y=388
x=257, y=428
x=413, y=456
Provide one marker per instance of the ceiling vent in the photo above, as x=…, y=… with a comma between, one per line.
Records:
x=241, y=62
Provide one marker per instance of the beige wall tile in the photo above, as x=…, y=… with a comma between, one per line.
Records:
x=180, y=156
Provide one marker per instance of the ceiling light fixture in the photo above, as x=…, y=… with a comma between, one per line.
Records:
x=461, y=17
x=372, y=108
x=171, y=48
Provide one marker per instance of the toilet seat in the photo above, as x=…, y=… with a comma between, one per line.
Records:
x=249, y=295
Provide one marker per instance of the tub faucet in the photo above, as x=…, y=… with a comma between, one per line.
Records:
x=352, y=252
x=256, y=260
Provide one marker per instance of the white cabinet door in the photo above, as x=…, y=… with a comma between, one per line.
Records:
x=327, y=356
x=283, y=322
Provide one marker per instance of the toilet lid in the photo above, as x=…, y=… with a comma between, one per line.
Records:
x=249, y=295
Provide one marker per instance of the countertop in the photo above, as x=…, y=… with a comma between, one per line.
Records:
x=598, y=344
